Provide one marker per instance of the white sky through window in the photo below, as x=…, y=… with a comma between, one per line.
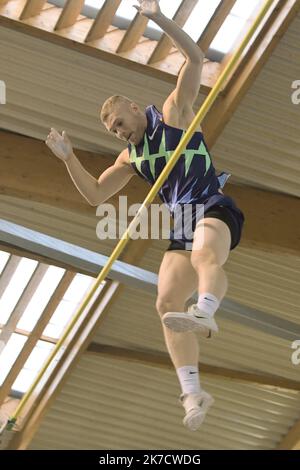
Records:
x=15, y=288
x=199, y=18
x=40, y=298
x=64, y=312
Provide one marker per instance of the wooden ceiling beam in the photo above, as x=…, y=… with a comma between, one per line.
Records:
x=255, y=41
x=215, y=23
x=249, y=68
x=103, y=20
x=12, y=9
x=292, y=440
x=25, y=171
x=155, y=359
x=165, y=44
x=69, y=14
x=32, y=8
x=133, y=34
x=8, y=272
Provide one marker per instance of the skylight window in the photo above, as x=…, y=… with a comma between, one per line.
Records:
x=234, y=24
x=40, y=298
x=10, y=353
x=33, y=364
x=244, y=9
x=68, y=305
x=228, y=33
x=198, y=20
x=3, y=260
x=95, y=3
x=15, y=288
x=12, y=292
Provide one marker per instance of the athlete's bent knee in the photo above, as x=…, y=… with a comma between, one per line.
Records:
x=203, y=256
x=165, y=305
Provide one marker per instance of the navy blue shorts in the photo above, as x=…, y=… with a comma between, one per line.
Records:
x=232, y=219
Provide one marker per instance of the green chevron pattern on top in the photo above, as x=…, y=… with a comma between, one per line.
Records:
x=163, y=153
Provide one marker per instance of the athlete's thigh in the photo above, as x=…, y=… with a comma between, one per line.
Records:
x=177, y=277
x=212, y=235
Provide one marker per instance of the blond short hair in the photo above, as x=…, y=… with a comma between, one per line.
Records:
x=110, y=104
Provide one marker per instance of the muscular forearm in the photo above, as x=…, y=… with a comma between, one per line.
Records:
x=181, y=39
x=84, y=182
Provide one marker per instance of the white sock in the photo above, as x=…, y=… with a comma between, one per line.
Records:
x=208, y=303
x=189, y=379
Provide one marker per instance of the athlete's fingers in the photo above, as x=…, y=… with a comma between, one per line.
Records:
x=55, y=132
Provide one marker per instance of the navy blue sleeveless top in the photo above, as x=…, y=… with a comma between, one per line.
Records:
x=193, y=179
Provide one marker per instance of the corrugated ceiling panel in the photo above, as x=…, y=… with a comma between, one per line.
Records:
x=112, y=404
x=261, y=280
x=266, y=281
x=66, y=225
x=51, y=86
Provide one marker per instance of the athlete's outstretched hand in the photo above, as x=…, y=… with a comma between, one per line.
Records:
x=148, y=8
x=59, y=144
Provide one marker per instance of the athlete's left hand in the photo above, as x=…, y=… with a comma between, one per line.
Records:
x=148, y=8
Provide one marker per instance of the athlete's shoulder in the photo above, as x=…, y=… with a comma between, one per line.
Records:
x=123, y=161
x=153, y=114
x=123, y=157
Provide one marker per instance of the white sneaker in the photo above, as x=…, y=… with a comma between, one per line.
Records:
x=196, y=406
x=194, y=319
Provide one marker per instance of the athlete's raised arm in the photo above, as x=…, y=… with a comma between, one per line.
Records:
x=94, y=191
x=189, y=79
